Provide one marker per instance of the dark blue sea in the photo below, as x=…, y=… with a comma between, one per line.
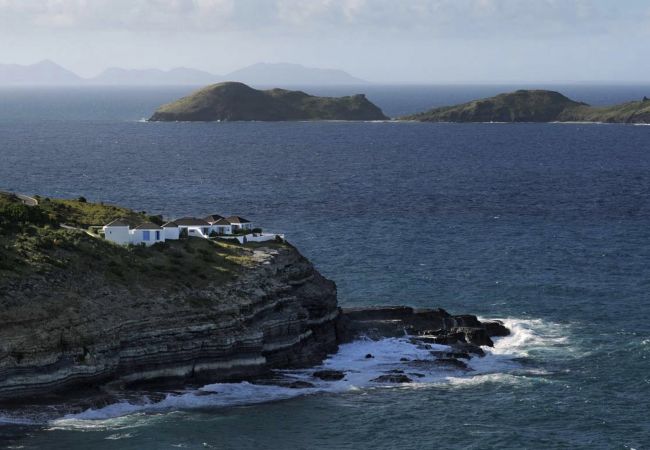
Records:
x=546, y=226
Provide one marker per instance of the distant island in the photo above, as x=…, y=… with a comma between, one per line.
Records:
x=234, y=101
x=536, y=106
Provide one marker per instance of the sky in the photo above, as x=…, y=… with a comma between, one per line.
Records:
x=384, y=41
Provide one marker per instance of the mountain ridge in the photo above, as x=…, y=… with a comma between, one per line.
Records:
x=47, y=72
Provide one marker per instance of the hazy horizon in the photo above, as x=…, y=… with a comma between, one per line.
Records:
x=380, y=41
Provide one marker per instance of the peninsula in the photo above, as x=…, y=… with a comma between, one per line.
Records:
x=82, y=312
x=536, y=106
x=232, y=101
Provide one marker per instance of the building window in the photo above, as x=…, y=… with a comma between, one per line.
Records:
x=157, y=235
x=146, y=236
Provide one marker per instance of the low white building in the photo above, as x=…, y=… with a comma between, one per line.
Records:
x=221, y=227
x=239, y=223
x=193, y=227
x=117, y=231
x=147, y=233
x=171, y=230
x=120, y=232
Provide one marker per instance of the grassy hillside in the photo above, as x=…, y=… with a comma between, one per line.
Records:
x=630, y=112
x=232, y=101
x=535, y=106
x=31, y=243
x=519, y=106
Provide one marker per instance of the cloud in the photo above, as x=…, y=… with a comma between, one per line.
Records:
x=436, y=18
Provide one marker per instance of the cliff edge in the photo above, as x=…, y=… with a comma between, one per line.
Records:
x=77, y=310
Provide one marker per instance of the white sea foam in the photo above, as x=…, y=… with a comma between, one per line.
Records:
x=502, y=364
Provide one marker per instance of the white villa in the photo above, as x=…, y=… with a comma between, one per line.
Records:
x=122, y=232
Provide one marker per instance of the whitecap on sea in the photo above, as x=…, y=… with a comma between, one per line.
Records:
x=502, y=364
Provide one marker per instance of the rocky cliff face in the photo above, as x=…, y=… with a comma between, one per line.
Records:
x=64, y=329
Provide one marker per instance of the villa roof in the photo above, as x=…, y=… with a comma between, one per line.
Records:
x=118, y=223
x=237, y=219
x=221, y=221
x=170, y=224
x=189, y=221
x=213, y=218
x=148, y=226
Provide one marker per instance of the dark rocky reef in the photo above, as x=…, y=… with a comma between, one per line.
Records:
x=535, y=106
x=434, y=326
x=464, y=333
x=233, y=101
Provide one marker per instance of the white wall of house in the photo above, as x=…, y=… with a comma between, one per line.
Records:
x=147, y=237
x=221, y=229
x=171, y=233
x=196, y=230
x=119, y=235
x=263, y=237
x=242, y=226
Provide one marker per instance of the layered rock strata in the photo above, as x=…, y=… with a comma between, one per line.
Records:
x=71, y=330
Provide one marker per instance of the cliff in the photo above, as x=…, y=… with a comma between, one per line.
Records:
x=80, y=313
x=535, y=106
x=232, y=101
x=77, y=310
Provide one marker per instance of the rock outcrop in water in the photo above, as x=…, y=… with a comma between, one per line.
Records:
x=536, y=106
x=233, y=101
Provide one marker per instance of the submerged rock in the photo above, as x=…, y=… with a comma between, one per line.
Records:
x=451, y=362
x=300, y=385
x=392, y=378
x=452, y=354
x=329, y=375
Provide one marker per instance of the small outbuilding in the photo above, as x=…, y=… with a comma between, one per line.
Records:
x=117, y=231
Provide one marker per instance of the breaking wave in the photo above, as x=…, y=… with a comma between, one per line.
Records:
x=504, y=363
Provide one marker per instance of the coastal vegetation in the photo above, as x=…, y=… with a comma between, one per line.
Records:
x=535, y=106
x=32, y=241
x=232, y=101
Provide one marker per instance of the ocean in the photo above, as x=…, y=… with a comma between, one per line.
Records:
x=546, y=226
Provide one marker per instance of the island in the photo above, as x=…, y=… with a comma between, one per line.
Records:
x=232, y=101
x=536, y=106
x=90, y=318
